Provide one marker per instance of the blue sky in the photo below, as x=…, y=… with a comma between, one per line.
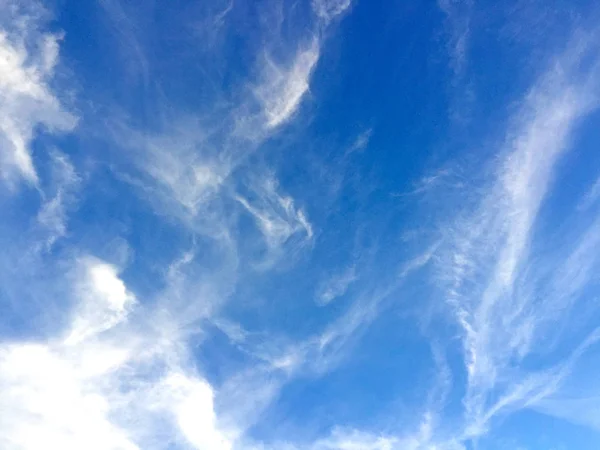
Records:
x=307, y=225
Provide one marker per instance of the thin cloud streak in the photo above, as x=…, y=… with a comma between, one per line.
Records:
x=486, y=261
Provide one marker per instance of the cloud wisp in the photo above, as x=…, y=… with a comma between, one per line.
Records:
x=28, y=60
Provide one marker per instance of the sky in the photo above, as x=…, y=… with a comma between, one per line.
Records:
x=299, y=225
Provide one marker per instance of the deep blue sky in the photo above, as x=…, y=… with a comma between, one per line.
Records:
x=308, y=225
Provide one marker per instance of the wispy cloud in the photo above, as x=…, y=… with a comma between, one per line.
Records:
x=458, y=23
x=284, y=85
x=133, y=55
x=488, y=265
x=52, y=216
x=336, y=286
x=327, y=10
x=276, y=215
x=361, y=142
x=28, y=60
x=124, y=365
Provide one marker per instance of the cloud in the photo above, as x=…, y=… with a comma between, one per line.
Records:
x=28, y=60
x=104, y=382
x=361, y=142
x=275, y=215
x=125, y=366
x=60, y=393
x=52, y=216
x=104, y=300
x=48, y=402
x=458, y=23
x=580, y=410
x=488, y=268
x=117, y=371
x=327, y=10
x=336, y=286
x=284, y=85
x=356, y=440
x=133, y=55
x=591, y=197
x=191, y=401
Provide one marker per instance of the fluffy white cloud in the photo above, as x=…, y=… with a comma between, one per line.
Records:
x=47, y=400
x=191, y=401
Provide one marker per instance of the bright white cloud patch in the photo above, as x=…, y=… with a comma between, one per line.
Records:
x=61, y=393
x=48, y=401
x=191, y=401
x=28, y=58
x=92, y=389
x=104, y=300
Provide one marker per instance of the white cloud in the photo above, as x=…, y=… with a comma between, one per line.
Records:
x=284, y=85
x=488, y=267
x=335, y=286
x=361, y=142
x=52, y=215
x=47, y=402
x=582, y=408
x=191, y=401
x=62, y=393
x=458, y=17
x=107, y=385
x=133, y=55
x=104, y=300
x=353, y=439
x=357, y=440
x=182, y=166
x=327, y=10
x=276, y=215
x=28, y=58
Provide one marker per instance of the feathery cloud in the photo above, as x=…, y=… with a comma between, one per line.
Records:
x=327, y=10
x=28, y=59
x=486, y=265
x=336, y=286
x=284, y=85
